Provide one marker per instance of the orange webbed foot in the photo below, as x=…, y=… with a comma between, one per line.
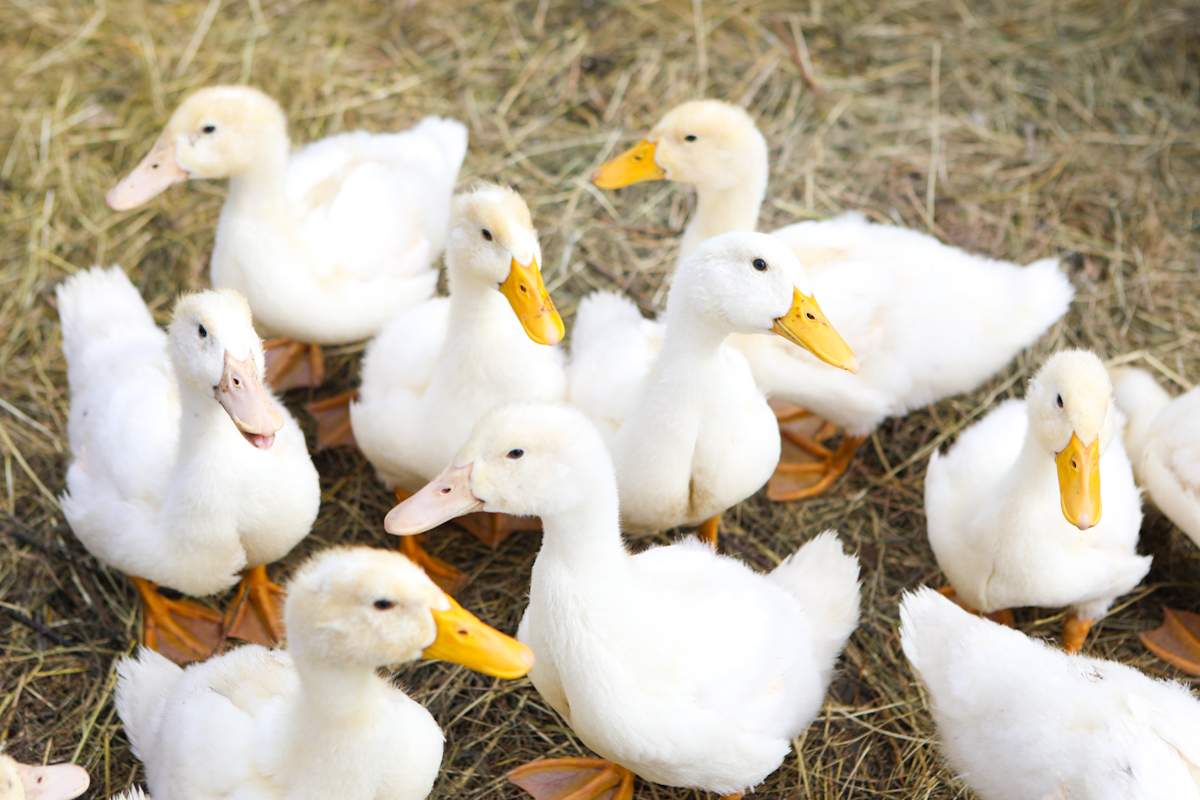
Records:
x=574, y=779
x=492, y=529
x=1176, y=641
x=333, y=420
x=291, y=364
x=1003, y=617
x=449, y=578
x=256, y=613
x=807, y=467
x=181, y=630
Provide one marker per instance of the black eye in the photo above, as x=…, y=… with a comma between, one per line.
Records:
x=691, y=137
x=516, y=453
x=204, y=334
x=760, y=265
x=486, y=234
x=1059, y=401
x=384, y=605
x=209, y=129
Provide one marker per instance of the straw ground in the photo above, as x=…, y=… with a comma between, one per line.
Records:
x=1020, y=129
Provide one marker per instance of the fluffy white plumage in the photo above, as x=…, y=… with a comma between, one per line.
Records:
x=1020, y=720
x=314, y=721
x=690, y=433
x=1163, y=440
x=994, y=508
x=326, y=244
x=682, y=665
x=925, y=320
x=163, y=485
x=434, y=370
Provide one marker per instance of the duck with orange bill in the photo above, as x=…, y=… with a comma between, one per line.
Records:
x=434, y=370
x=186, y=470
x=326, y=243
x=314, y=720
x=678, y=665
x=691, y=434
x=1163, y=440
x=926, y=320
x=1035, y=504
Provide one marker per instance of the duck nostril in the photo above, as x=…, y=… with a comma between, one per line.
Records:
x=445, y=490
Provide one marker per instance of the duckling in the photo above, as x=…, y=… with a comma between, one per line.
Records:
x=326, y=243
x=434, y=370
x=1163, y=440
x=925, y=320
x=51, y=782
x=1018, y=514
x=314, y=720
x=689, y=431
x=678, y=664
x=186, y=469
x=1019, y=719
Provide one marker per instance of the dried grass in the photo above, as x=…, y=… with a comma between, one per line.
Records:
x=1020, y=129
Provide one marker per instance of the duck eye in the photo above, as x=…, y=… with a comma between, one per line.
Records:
x=760, y=265
x=1059, y=401
x=384, y=605
x=203, y=332
x=515, y=453
x=691, y=137
x=487, y=234
x=209, y=129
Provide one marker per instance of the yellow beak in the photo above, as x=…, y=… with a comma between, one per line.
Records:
x=463, y=639
x=532, y=304
x=805, y=324
x=634, y=165
x=1079, y=482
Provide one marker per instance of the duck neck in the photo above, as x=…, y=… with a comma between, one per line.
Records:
x=1034, y=474
x=587, y=536
x=259, y=188
x=691, y=338
x=477, y=309
x=335, y=691
x=732, y=205
x=202, y=422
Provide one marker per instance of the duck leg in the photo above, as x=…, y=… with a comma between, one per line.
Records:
x=1075, y=631
x=291, y=364
x=807, y=467
x=333, y=420
x=448, y=577
x=256, y=613
x=1002, y=617
x=708, y=530
x=182, y=630
x=1177, y=641
x=574, y=779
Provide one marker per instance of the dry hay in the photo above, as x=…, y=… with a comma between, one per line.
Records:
x=1019, y=129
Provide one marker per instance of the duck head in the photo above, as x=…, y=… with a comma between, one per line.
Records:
x=376, y=608
x=1073, y=416
x=705, y=143
x=216, y=352
x=493, y=242
x=216, y=132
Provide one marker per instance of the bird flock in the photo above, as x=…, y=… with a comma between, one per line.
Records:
x=776, y=356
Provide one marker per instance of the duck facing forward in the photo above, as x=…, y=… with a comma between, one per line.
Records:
x=314, y=720
x=325, y=243
x=186, y=469
x=1035, y=504
x=677, y=664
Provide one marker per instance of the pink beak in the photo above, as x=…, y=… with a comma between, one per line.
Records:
x=445, y=497
x=249, y=405
x=157, y=171
x=53, y=782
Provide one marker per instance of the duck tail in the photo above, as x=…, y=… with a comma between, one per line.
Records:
x=143, y=683
x=1140, y=398
x=824, y=579
x=96, y=304
x=1046, y=294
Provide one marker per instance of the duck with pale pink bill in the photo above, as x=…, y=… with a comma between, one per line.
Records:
x=326, y=243
x=186, y=470
x=42, y=782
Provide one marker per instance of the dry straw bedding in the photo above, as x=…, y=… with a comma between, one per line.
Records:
x=1019, y=129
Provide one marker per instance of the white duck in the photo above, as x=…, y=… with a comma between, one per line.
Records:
x=926, y=320
x=690, y=433
x=1020, y=720
x=1022, y=513
x=51, y=782
x=186, y=470
x=315, y=720
x=325, y=243
x=1163, y=440
x=678, y=664
x=434, y=370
